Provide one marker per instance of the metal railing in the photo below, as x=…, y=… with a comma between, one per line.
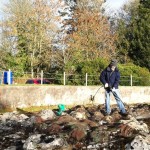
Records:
x=73, y=79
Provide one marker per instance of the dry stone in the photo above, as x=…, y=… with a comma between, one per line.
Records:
x=139, y=143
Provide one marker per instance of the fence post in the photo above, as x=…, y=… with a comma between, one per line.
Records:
x=64, y=78
x=41, y=76
x=131, y=79
x=1, y=77
x=32, y=73
x=86, y=76
x=9, y=77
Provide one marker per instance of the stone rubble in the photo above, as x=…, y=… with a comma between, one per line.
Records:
x=139, y=143
x=77, y=128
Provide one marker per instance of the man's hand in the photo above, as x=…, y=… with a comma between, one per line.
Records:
x=106, y=85
x=113, y=89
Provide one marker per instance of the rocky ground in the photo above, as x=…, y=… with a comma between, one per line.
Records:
x=77, y=128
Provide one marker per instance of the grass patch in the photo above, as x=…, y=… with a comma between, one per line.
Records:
x=39, y=108
x=4, y=110
x=33, y=108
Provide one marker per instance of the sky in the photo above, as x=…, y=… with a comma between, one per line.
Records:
x=115, y=4
x=2, y=2
x=110, y=4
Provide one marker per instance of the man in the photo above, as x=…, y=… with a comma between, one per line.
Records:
x=110, y=77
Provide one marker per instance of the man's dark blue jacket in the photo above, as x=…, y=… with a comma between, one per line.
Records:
x=110, y=77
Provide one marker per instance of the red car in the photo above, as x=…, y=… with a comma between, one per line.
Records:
x=37, y=81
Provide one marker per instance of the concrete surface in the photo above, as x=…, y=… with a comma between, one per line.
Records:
x=37, y=95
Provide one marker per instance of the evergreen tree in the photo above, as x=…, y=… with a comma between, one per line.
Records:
x=134, y=31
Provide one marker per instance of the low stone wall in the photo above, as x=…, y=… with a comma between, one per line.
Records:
x=37, y=95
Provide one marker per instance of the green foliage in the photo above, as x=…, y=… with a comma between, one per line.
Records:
x=122, y=43
x=16, y=64
x=79, y=70
x=140, y=45
x=140, y=76
x=133, y=33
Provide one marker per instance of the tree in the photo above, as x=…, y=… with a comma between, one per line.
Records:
x=140, y=45
x=89, y=36
x=134, y=33
x=33, y=26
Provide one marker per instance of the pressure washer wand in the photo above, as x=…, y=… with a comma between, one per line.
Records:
x=92, y=97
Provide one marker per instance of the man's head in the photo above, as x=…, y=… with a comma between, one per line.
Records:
x=113, y=64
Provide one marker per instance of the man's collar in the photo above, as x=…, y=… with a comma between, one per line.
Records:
x=109, y=69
